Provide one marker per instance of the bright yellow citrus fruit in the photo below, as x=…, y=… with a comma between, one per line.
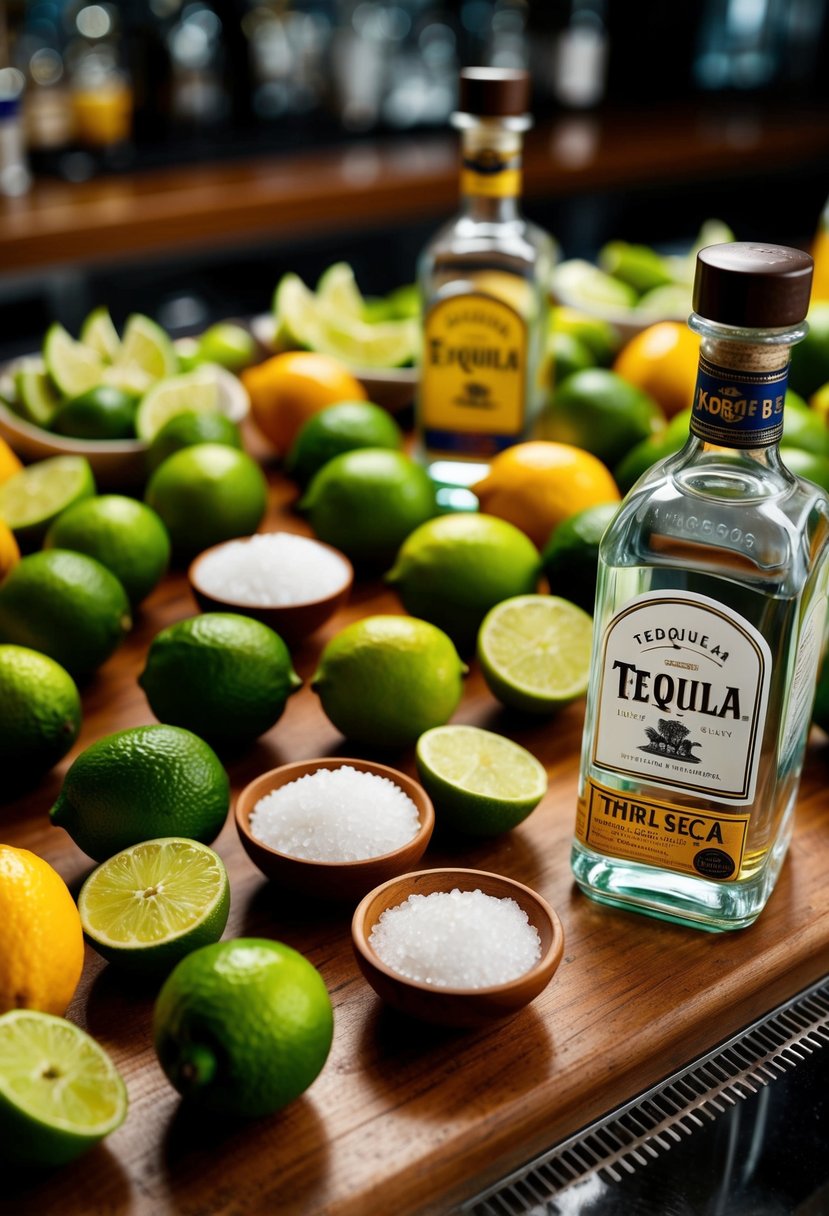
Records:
x=9, y=463
x=41, y=940
x=288, y=389
x=536, y=485
x=9, y=550
x=662, y=360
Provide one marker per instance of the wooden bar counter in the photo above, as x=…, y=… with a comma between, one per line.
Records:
x=387, y=182
x=405, y=1118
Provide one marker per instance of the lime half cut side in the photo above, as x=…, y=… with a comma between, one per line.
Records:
x=534, y=652
x=151, y=904
x=60, y=1093
x=195, y=392
x=480, y=782
x=34, y=497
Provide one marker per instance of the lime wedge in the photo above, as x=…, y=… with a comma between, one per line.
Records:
x=308, y=323
x=73, y=367
x=36, y=398
x=99, y=334
x=60, y=1093
x=337, y=290
x=129, y=379
x=193, y=392
x=34, y=497
x=147, y=347
x=534, y=652
x=148, y=906
x=578, y=282
x=480, y=782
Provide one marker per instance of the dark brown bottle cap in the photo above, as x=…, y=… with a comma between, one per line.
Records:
x=753, y=286
x=494, y=92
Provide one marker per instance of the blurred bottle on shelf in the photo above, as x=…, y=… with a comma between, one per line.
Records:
x=101, y=89
x=286, y=48
x=15, y=178
x=38, y=54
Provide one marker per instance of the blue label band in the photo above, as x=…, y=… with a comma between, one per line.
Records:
x=467, y=443
x=738, y=409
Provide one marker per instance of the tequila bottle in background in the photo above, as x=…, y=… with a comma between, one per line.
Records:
x=483, y=281
x=709, y=626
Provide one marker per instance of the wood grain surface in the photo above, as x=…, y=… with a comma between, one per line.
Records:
x=213, y=206
x=406, y=1118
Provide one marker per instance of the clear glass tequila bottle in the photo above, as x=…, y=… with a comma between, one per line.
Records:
x=709, y=627
x=483, y=280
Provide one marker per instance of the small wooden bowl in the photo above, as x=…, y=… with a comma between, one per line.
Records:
x=292, y=622
x=461, y=1007
x=331, y=879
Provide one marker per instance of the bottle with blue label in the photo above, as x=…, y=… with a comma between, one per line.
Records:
x=709, y=627
x=483, y=282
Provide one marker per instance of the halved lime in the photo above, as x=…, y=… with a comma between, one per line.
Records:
x=534, y=652
x=37, y=400
x=194, y=392
x=338, y=290
x=309, y=323
x=480, y=782
x=34, y=497
x=73, y=367
x=579, y=282
x=60, y=1093
x=99, y=334
x=147, y=347
x=148, y=906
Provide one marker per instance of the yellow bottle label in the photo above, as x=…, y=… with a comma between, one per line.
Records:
x=504, y=184
x=705, y=842
x=473, y=375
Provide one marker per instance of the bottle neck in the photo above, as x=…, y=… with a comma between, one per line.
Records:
x=741, y=385
x=490, y=184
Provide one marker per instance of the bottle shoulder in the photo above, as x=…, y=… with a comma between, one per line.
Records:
x=518, y=237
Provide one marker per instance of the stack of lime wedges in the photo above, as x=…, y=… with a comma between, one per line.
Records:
x=336, y=320
x=103, y=386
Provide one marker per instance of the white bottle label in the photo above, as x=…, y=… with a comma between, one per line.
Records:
x=684, y=690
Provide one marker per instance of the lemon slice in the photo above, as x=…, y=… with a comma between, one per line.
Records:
x=195, y=392
x=148, y=906
x=60, y=1093
x=308, y=323
x=31, y=499
x=147, y=347
x=480, y=782
x=534, y=652
x=74, y=368
x=99, y=334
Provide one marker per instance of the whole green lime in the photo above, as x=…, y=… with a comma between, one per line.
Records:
x=366, y=502
x=206, y=494
x=803, y=427
x=453, y=569
x=645, y=454
x=568, y=354
x=229, y=345
x=142, y=784
x=243, y=1027
x=810, y=358
x=122, y=534
x=385, y=679
x=187, y=429
x=602, y=413
x=66, y=605
x=343, y=427
x=597, y=335
x=103, y=412
x=40, y=713
x=807, y=464
x=223, y=676
x=571, y=554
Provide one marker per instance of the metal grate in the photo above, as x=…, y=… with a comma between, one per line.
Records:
x=639, y=1132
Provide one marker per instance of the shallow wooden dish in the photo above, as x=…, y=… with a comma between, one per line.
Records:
x=116, y=463
x=461, y=1007
x=393, y=388
x=292, y=622
x=331, y=879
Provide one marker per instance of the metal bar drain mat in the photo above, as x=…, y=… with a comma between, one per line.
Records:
x=638, y=1133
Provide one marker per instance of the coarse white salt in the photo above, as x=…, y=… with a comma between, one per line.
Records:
x=338, y=814
x=272, y=569
x=457, y=939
